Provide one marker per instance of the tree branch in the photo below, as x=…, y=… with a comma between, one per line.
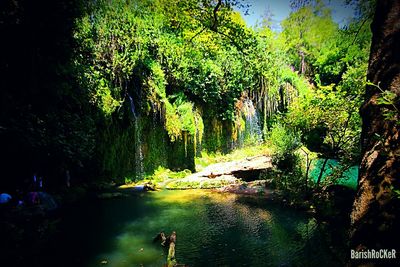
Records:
x=194, y=36
x=215, y=24
x=359, y=29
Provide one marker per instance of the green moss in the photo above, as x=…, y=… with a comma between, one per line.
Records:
x=300, y=83
x=183, y=117
x=154, y=145
x=157, y=80
x=184, y=185
x=186, y=114
x=118, y=159
x=162, y=174
x=215, y=138
x=208, y=158
x=200, y=126
x=173, y=123
x=214, y=184
x=104, y=99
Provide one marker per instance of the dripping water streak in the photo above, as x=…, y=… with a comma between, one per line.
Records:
x=132, y=107
x=139, y=168
x=252, y=127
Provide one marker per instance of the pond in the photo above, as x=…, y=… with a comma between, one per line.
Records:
x=213, y=229
x=348, y=178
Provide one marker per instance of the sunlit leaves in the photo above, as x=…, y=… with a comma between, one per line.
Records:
x=182, y=116
x=306, y=32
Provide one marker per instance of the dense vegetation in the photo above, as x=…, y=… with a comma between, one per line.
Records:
x=105, y=92
x=123, y=88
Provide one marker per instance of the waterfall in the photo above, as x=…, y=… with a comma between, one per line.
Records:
x=252, y=132
x=132, y=106
x=139, y=168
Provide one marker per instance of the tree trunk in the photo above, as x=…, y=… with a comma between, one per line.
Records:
x=171, y=261
x=375, y=215
x=302, y=63
x=321, y=173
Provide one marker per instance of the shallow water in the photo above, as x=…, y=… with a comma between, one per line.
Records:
x=349, y=177
x=213, y=229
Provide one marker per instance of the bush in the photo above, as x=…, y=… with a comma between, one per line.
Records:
x=287, y=162
x=284, y=143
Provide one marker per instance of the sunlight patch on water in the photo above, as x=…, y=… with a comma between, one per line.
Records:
x=183, y=196
x=226, y=228
x=134, y=245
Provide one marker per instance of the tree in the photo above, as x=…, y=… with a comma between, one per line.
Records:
x=307, y=30
x=327, y=112
x=376, y=210
x=45, y=122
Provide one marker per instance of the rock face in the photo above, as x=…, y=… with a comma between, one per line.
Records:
x=238, y=169
x=229, y=172
x=375, y=218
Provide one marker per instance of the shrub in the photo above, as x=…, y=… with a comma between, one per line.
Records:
x=284, y=143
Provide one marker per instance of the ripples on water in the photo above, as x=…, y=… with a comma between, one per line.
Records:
x=212, y=230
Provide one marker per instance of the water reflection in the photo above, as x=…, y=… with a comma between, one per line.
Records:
x=216, y=230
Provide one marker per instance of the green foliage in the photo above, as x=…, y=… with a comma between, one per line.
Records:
x=173, y=123
x=161, y=69
x=128, y=180
x=162, y=174
x=181, y=116
x=196, y=184
x=327, y=114
x=156, y=81
x=208, y=158
x=154, y=146
x=307, y=31
x=104, y=99
x=126, y=43
x=184, y=185
x=284, y=142
x=387, y=99
x=179, y=64
x=333, y=116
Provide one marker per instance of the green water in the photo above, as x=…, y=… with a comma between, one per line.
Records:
x=349, y=177
x=213, y=229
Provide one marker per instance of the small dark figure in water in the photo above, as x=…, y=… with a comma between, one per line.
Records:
x=165, y=241
x=169, y=244
x=161, y=237
x=172, y=237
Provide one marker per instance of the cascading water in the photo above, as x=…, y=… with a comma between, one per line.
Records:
x=252, y=132
x=132, y=107
x=139, y=168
